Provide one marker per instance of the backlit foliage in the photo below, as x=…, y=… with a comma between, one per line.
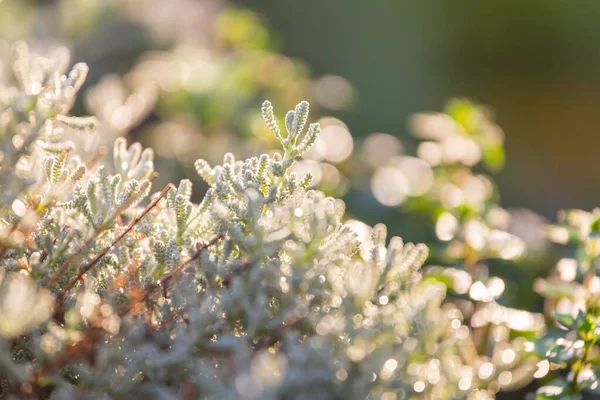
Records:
x=112, y=287
x=259, y=291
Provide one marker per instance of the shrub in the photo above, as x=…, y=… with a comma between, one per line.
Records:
x=264, y=289
x=260, y=290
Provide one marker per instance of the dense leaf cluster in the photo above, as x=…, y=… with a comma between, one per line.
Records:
x=259, y=291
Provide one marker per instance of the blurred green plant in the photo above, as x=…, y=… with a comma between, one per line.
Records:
x=571, y=294
x=470, y=227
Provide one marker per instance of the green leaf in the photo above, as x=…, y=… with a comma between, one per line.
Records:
x=565, y=321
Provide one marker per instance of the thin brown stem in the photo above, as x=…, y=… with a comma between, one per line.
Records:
x=193, y=258
x=96, y=157
x=129, y=201
x=98, y=230
x=105, y=251
x=165, y=280
x=75, y=349
x=91, y=335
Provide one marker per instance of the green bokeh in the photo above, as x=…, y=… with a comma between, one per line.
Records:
x=536, y=63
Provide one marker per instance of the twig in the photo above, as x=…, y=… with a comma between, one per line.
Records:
x=165, y=280
x=90, y=336
x=105, y=251
x=193, y=258
x=77, y=253
x=97, y=156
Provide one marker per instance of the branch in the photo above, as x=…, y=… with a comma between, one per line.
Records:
x=193, y=258
x=91, y=264
x=167, y=278
x=74, y=256
x=91, y=334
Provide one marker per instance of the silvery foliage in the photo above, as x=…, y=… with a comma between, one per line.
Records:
x=258, y=291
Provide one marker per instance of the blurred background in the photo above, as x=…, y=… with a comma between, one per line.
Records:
x=535, y=63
